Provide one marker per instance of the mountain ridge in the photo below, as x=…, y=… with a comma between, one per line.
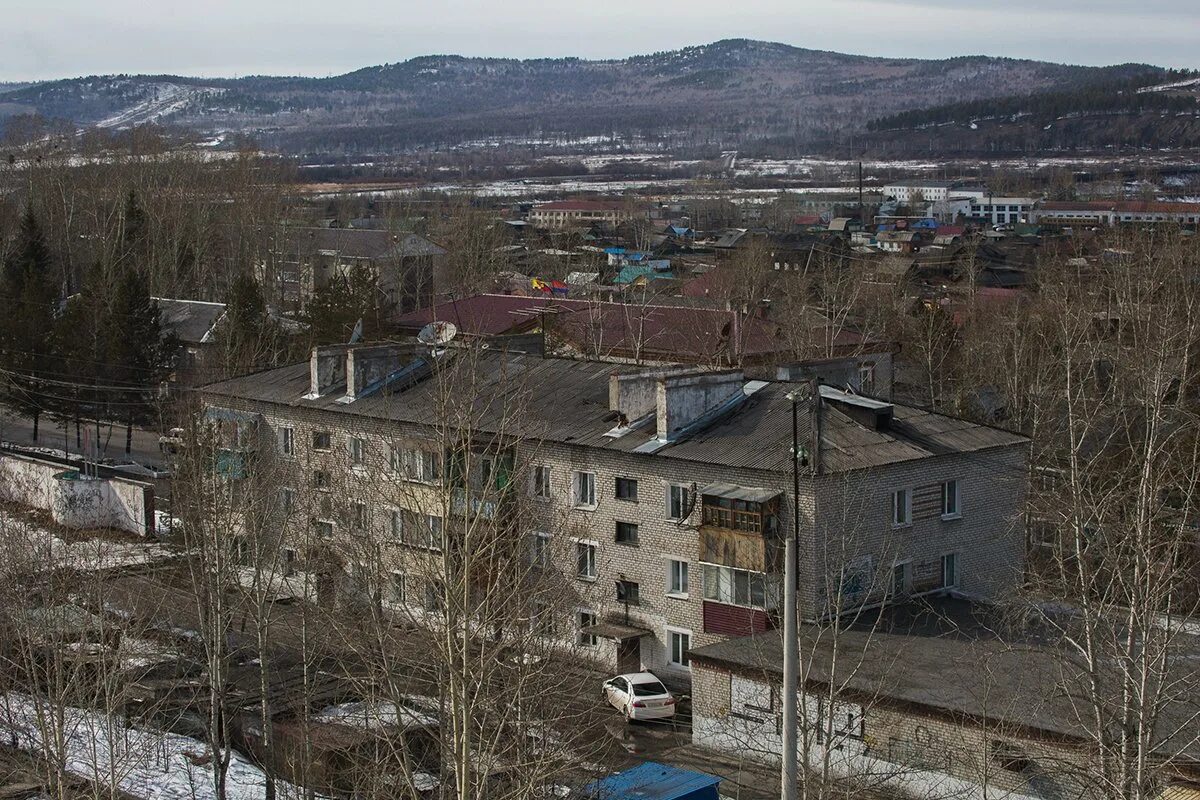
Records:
x=731, y=91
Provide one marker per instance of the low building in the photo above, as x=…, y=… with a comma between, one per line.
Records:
x=1001, y=210
x=924, y=190
x=1115, y=212
x=193, y=324
x=920, y=699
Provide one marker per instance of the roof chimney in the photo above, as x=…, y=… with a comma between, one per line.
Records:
x=683, y=400
x=326, y=370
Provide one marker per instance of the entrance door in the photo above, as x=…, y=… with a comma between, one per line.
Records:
x=629, y=656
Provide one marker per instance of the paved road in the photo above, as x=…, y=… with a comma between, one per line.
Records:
x=19, y=431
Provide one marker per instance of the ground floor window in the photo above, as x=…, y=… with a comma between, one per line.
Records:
x=679, y=642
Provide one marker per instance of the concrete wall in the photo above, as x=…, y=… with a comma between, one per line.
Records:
x=75, y=502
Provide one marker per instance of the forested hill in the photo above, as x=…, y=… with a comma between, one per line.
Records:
x=1125, y=107
x=731, y=92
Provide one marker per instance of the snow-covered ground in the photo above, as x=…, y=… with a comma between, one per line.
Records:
x=27, y=547
x=144, y=763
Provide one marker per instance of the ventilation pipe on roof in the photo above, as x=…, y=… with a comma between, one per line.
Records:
x=326, y=370
x=682, y=400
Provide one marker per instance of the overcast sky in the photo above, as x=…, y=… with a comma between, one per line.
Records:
x=66, y=38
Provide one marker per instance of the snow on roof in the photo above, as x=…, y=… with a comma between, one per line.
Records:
x=375, y=715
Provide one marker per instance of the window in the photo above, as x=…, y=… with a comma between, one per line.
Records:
x=324, y=528
x=288, y=498
x=398, y=588
x=866, y=378
x=358, y=451
x=586, y=619
x=541, y=619
x=321, y=440
x=417, y=465
x=539, y=550
x=627, y=533
x=288, y=557
x=321, y=480
x=627, y=489
x=901, y=508
x=433, y=596
x=287, y=441
x=950, y=571
x=737, y=587
x=396, y=523
x=900, y=579
x=951, y=508
x=629, y=593
x=585, y=560
x=584, y=489
x=677, y=577
x=678, y=644
x=358, y=516
x=678, y=502
x=541, y=482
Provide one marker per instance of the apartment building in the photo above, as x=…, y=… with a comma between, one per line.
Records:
x=657, y=498
x=574, y=213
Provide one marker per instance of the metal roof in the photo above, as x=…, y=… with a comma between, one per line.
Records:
x=735, y=492
x=567, y=401
x=651, y=781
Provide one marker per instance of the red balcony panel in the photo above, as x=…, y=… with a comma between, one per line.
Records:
x=730, y=620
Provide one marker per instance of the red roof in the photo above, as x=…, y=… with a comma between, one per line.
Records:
x=809, y=219
x=662, y=332
x=581, y=205
x=1124, y=206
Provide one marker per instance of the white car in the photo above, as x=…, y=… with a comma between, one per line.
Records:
x=640, y=695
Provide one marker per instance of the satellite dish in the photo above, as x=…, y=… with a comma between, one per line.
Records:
x=437, y=333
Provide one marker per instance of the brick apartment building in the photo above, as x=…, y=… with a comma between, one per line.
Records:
x=657, y=497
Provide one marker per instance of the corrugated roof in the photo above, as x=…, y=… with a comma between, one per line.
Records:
x=566, y=401
x=191, y=321
x=651, y=781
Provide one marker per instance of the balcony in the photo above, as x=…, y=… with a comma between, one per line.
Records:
x=738, y=527
x=731, y=620
x=232, y=463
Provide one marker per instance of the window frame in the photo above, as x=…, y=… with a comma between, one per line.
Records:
x=685, y=661
x=357, y=448
x=626, y=482
x=635, y=541
x=577, y=483
x=400, y=580
x=326, y=437
x=684, y=491
x=632, y=591
x=953, y=558
x=947, y=495
x=907, y=492
x=541, y=482
x=322, y=480
x=585, y=617
x=672, y=589
x=287, y=441
x=593, y=548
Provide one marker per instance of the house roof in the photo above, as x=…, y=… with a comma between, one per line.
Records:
x=192, y=321
x=567, y=401
x=657, y=332
x=1123, y=206
x=355, y=243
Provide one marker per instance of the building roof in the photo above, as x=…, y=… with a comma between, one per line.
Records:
x=354, y=243
x=1123, y=206
x=650, y=781
x=192, y=321
x=567, y=401
x=581, y=205
x=922, y=183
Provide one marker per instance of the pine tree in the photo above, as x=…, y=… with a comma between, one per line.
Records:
x=26, y=326
x=336, y=308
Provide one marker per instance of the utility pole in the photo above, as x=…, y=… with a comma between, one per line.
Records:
x=791, y=644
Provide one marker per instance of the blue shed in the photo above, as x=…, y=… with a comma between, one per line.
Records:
x=654, y=781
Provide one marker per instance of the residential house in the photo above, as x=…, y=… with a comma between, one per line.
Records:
x=656, y=500
x=193, y=324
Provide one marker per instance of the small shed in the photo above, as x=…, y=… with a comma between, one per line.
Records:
x=654, y=781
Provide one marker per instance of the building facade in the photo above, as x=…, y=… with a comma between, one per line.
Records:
x=656, y=500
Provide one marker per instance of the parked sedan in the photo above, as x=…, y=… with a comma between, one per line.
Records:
x=640, y=695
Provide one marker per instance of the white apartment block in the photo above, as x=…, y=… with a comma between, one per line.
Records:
x=656, y=499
